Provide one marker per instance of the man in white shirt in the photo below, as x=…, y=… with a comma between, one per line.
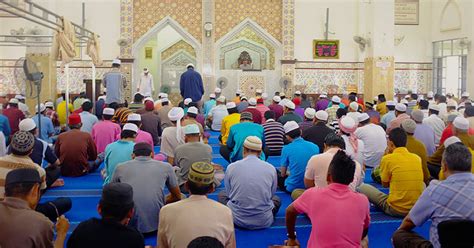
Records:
x=443, y=107
x=374, y=138
x=216, y=114
x=197, y=216
x=435, y=122
x=146, y=86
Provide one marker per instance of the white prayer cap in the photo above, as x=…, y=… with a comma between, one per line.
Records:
x=221, y=99
x=164, y=99
x=282, y=94
x=449, y=95
x=145, y=69
x=148, y=99
x=309, y=113
x=400, y=107
x=193, y=110
x=407, y=96
x=243, y=98
x=253, y=143
x=3, y=94
x=391, y=103
x=336, y=99
x=187, y=101
x=297, y=92
x=404, y=101
x=116, y=61
x=175, y=114
x=322, y=115
x=217, y=90
x=49, y=105
x=212, y=95
x=238, y=92
x=264, y=96
x=189, y=65
x=323, y=95
x=108, y=111
x=363, y=117
x=165, y=95
x=130, y=127
x=430, y=94
x=259, y=91
x=354, y=106
x=434, y=107
x=461, y=123
x=134, y=117
x=290, y=126
x=19, y=97
x=102, y=98
x=417, y=115
x=41, y=107
x=13, y=101
x=161, y=95
x=347, y=123
x=191, y=129
x=465, y=94
x=276, y=99
x=230, y=105
x=451, y=140
x=252, y=101
x=27, y=125
x=290, y=105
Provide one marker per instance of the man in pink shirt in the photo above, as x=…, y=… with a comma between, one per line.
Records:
x=400, y=113
x=262, y=108
x=142, y=136
x=318, y=166
x=340, y=217
x=105, y=132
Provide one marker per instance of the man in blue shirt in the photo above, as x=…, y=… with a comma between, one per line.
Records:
x=191, y=85
x=5, y=126
x=445, y=200
x=238, y=133
x=115, y=82
x=250, y=186
x=47, y=127
x=87, y=118
x=208, y=105
x=390, y=115
x=294, y=158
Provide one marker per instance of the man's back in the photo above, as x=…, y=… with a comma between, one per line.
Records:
x=97, y=233
x=238, y=133
x=163, y=114
x=88, y=121
x=328, y=208
x=47, y=128
x=191, y=85
x=374, y=139
x=14, y=116
x=416, y=147
x=218, y=113
x=21, y=226
x=256, y=115
x=148, y=179
x=169, y=141
x=187, y=154
x=290, y=116
x=75, y=148
x=151, y=123
x=317, y=133
x=105, y=133
x=403, y=171
x=425, y=134
x=250, y=184
x=274, y=136
x=437, y=125
x=115, y=82
x=278, y=109
x=196, y=216
x=115, y=154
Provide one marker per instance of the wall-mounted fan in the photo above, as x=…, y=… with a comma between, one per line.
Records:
x=222, y=82
x=285, y=83
x=122, y=42
x=165, y=89
x=363, y=42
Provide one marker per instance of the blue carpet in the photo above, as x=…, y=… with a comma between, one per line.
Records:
x=85, y=194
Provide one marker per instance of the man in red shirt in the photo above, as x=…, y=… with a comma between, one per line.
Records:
x=324, y=206
x=252, y=108
x=14, y=115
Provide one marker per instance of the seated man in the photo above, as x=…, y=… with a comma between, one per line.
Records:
x=151, y=122
x=217, y=113
x=172, y=136
x=190, y=118
x=142, y=136
x=435, y=122
x=250, y=186
x=119, y=151
x=294, y=158
x=20, y=225
x=308, y=121
x=148, y=179
x=325, y=205
x=400, y=116
x=76, y=150
x=187, y=154
x=197, y=216
x=42, y=152
x=228, y=121
x=105, y=132
x=318, y=132
x=112, y=230
x=47, y=128
x=274, y=135
x=252, y=108
x=289, y=113
x=21, y=147
x=238, y=133
x=374, y=138
x=401, y=171
x=87, y=118
x=416, y=147
x=446, y=200
x=318, y=166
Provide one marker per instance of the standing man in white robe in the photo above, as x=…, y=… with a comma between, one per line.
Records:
x=146, y=86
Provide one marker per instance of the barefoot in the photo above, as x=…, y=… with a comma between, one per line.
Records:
x=58, y=183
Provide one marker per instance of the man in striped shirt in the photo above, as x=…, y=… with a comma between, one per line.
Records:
x=273, y=133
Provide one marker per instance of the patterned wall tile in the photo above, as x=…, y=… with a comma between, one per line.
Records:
x=180, y=45
x=267, y=13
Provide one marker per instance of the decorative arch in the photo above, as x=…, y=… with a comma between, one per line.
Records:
x=152, y=32
x=263, y=58
x=453, y=6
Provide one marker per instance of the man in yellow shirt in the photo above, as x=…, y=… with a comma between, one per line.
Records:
x=61, y=110
x=229, y=121
x=381, y=105
x=401, y=171
x=236, y=99
x=416, y=147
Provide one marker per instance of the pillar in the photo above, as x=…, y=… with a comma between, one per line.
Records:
x=46, y=65
x=379, y=62
x=207, y=68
